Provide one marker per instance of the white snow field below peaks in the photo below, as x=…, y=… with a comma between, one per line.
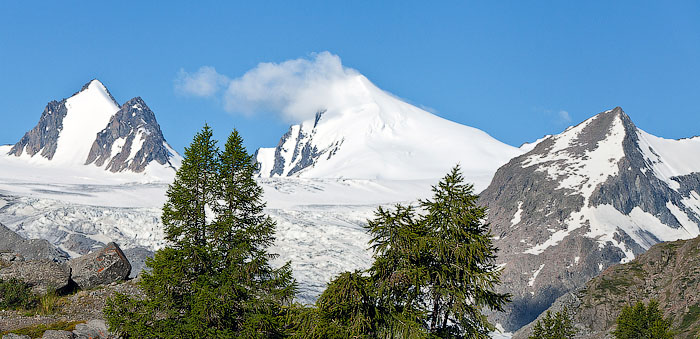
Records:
x=319, y=221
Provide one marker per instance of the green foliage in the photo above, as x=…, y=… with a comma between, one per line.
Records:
x=15, y=294
x=433, y=274
x=691, y=317
x=640, y=321
x=37, y=331
x=559, y=326
x=48, y=303
x=214, y=280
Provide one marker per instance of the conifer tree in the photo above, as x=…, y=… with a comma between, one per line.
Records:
x=214, y=279
x=642, y=321
x=432, y=276
x=243, y=235
x=559, y=326
x=460, y=263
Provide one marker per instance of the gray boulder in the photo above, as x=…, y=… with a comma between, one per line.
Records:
x=53, y=334
x=81, y=244
x=30, y=249
x=92, y=329
x=41, y=275
x=15, y=336
x=137, y=258
x=100, y=268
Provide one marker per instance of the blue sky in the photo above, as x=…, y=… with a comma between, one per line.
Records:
x=517, y=70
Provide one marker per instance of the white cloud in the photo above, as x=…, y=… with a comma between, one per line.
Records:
x=206, y=82
x=564, y=116
x=295, y=89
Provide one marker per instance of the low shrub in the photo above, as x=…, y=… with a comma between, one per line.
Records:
x=16, y=294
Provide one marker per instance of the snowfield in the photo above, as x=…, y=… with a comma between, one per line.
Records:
x=319, y=221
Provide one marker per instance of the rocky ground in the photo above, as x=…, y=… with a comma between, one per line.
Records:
x=669, y=273
x=82, y=306
x=72, y=292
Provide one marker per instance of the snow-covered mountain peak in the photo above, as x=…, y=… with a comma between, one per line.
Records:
x=367, y=133
x=98, y=88
x=131, y=141
x=68, y=131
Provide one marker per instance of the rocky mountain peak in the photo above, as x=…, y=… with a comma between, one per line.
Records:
x=597, y=194
x=91, y=106
x=131, y=140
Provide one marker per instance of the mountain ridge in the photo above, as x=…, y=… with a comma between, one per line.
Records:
x=590, y=197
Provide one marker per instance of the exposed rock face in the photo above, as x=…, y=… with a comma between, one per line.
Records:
x=581, y=201
x=44, y=136
x=668, y=272
x=297, y=150
x=131, y=140
x=41, y=275
x=81, y=244
x=15, y=336
x=29, y=249
x=137, y=258
x=100, y=268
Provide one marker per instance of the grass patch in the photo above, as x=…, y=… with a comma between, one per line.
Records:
x=691, y=317
x=48, y=303
x=37, y=331
x=613, y=285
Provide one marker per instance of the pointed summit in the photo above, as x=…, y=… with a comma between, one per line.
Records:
x=131, y=140
x=597, y=194
x=90, y=128
x=66, y=126
x=97, y=85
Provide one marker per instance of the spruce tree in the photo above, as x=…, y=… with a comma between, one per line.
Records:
x=243, y=235
x=460, y=261
x=642, y=321
x=559, y=326
x=213, y=280
x=433, y=274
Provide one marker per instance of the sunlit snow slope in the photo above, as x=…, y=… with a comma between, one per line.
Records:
x=369, y=134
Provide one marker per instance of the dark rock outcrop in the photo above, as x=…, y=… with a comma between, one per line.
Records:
x=100, y=268
x=41, y=275
x=54, y=334
x=296, y=149
x=95, y=328
x=134, y=125
x=15, y=336
x=44, y=136
x=29, y=249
